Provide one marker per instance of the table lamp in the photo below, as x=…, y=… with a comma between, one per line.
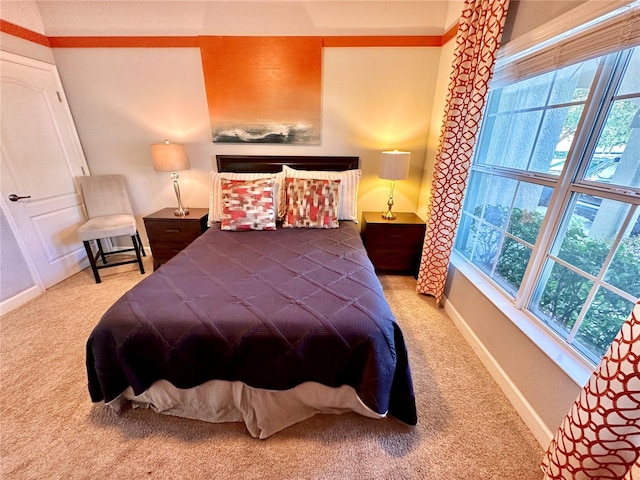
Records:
x=393, y=166
x=169, y=157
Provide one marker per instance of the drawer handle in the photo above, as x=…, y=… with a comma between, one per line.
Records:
x=173, y=230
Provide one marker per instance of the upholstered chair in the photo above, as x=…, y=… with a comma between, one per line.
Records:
x=110, y=214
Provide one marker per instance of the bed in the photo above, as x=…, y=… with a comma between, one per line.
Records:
x=268, y=326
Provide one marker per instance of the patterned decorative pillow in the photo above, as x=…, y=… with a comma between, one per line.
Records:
x=311, y=203
x=349, y=184
x=215, y=191
x=248, y=204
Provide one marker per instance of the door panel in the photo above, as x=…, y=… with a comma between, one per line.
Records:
x=59, y=226
x=40, y=156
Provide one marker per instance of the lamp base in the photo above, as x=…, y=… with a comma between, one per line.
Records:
x=389, y=215
x=180, y=211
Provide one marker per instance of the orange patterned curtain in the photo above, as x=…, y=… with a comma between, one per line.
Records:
x=477, y=42
x=600, y=437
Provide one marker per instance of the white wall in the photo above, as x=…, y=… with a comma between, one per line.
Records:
x=124, y=99
x=435, y=123
x=525, y=15
x=24, y=13
x=539, y=389
x=16, y=275
x=378, y=99
x=11, y=44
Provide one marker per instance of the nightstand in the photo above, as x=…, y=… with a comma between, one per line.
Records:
x=394, y=246
x=169, y=234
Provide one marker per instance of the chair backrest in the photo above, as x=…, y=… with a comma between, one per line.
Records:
x=105, y=195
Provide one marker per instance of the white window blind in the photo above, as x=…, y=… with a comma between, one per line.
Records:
x=617, y=30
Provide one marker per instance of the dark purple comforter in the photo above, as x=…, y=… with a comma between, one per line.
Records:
x=271, y=309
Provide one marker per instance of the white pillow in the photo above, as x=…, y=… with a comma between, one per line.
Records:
x=349, y=183
x=215, y=191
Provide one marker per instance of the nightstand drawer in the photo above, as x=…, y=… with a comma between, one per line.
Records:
x=172, y=231
x=397, y=261
x=392, y=236
x=167, y=250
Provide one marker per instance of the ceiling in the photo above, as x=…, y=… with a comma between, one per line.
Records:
x=241, y=17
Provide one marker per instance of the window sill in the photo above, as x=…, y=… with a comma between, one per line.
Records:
x=570, y=362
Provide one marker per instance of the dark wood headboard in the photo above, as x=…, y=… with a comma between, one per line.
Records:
x=274, y=163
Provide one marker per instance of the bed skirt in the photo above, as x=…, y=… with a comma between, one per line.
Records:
x=264, y=412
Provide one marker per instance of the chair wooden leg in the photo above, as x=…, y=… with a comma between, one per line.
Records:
x=140, y=243
x=137, y=247
x=101, y=251
x=92, y=261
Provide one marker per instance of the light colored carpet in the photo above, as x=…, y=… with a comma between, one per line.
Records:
x=50, y=429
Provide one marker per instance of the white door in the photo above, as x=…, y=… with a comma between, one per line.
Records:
x=40, y=156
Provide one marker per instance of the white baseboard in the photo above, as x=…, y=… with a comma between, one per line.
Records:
x=21, y=298
x=530, y=417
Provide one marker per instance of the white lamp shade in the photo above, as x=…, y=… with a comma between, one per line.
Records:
x=169, y=157
x=394, y=165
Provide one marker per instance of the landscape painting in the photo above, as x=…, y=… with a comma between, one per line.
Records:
x=263, y=89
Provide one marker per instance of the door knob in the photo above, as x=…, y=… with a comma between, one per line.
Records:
x=14, y=198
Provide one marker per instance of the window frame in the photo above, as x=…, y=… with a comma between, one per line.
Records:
x=568, y=183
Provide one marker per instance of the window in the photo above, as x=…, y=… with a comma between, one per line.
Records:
x=551, y=212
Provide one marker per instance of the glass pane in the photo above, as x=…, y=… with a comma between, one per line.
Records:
x=616, y=159
x=475, y=209
x=631, y=78
x=528, y=211
x=498, y=202
x=476, y=195
x=556, y=138
x=624, y=271
x=487, y=243
x=512, y=263
x=466, y=235
x=612, y=162
x=589, y=234
x=511, y=140
x=573, y=83
x=560, y=297
x=481, y=236
x=529, y=125
x=602, y=323
x=530, y=93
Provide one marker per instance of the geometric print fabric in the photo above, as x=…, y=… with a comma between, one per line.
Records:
x=248, y=205
x=311, y=203
x=477, y=42
x=600, y=437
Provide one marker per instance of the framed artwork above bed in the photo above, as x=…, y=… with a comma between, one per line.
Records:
x=263, y=89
